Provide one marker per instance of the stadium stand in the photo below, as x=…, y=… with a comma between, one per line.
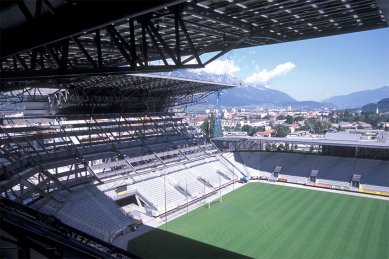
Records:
x=49, y=236
x=91, y=211
x=333, y=171
x=374, y=172
x=245, y=168
x=184, y=182
x=127, y=151
x=154, y=191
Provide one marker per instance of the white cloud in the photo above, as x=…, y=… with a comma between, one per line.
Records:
x=221, y=67
x=264, y=77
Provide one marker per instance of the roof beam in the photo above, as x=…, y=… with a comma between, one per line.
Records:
x=70, y=21
x=47, y=74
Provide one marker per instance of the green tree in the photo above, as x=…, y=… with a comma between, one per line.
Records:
x=373, y=119
x=298, y=118
x=287, y=147
x=260, y=128
x=246, y=128
x=317, y=126
x=347, y=116
x=208, y=126
x=252, y=130
x=289, y=119
x=237, y=127
x=333, y=120
x=228, y=128
x=281, y=131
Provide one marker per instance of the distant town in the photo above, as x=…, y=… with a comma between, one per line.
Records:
x=285, y=122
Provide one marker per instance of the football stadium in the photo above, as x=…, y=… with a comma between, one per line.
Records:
x=98, y=160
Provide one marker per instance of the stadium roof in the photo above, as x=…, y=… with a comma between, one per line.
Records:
x=137, y=92
x=128, y=82
x=312, y=141
x=53, y=39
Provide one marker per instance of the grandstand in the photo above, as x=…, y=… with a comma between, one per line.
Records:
x=92, y=212
x=329, y=171
x=64, y=154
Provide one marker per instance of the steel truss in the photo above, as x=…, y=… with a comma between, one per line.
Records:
x=115, y=93
x=22, y=95
x=150, y=36
x=129, y=47
x=47, y=160
x=65, y=99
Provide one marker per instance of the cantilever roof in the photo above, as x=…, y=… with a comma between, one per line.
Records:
x=211, y=23
x=151, y=82
x=308, y=141
x=133, y=33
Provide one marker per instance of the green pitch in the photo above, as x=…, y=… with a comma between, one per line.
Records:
x=269, y=221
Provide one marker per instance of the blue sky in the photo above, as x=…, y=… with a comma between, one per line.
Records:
x=318, y=68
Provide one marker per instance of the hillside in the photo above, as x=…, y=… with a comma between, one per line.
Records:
x=248, y=95
x=359, y=99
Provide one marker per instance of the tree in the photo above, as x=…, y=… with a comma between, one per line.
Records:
x=246, y=128
x=347, y=116
x=286, y=146
x=281, y=131
x=317, y=126
x=333, y=120
x=298, y=118
x=373, y=119
x=289, y=119
x=228, y=128
x=208, y=126
x=260, y=128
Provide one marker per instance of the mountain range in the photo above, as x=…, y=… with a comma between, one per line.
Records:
x=246, y=95
x=242, y=94
x=360, y=98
